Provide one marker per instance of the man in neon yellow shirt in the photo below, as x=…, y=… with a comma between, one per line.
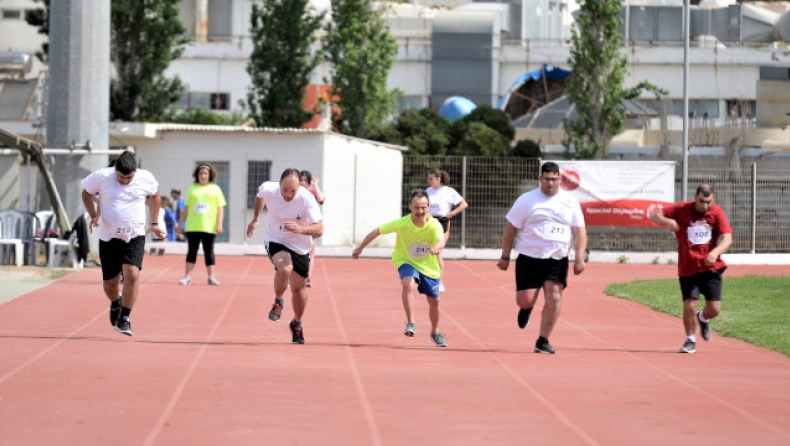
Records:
x=420, y=239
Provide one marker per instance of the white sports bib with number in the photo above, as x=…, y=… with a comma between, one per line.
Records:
x=556, y=232
x=699, y=235
x=417, y=250
x=201, y=208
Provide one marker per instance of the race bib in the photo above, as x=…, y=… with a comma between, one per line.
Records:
x=417, y=250
x=556, y=232
x=201, y=208
x=699, y=235
x=123, y=230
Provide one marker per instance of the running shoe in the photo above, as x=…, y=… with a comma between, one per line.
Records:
x=543, y=346
x=411, y=328
x=213, y=281
x=276, y=311
x=438, y=338
x=297, y=333
x=523, y=316
x=115, y=312
x=704, y=327
x=185, y=281
x=689, y=347
x=441, y=287
x=124, y=327
x=309, y=284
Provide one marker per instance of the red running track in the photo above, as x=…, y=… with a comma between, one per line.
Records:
x=207, y=367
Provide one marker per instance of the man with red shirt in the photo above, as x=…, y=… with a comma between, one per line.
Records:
x=703, y=234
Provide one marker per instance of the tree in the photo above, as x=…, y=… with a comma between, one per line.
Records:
x=482, y=140
x=281, y=62
x=526, y=148
x=495, y=119
x=40, y=19
x=595, y=85
x=362, y=51
x=146, y=36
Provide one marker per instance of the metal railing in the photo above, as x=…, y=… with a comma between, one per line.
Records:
x=755, y=194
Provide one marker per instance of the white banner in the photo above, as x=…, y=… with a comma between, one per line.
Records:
x=619, y=193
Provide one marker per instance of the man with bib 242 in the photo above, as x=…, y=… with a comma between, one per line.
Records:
x=543, y=222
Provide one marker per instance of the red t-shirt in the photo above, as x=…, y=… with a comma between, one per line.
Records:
x=698, y=235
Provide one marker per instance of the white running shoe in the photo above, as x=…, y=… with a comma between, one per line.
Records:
x=185, y=281
x=441, y=287
x=213, y=281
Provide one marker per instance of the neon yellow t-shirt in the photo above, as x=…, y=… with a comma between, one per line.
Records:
x=203, y=203
x=412, y=244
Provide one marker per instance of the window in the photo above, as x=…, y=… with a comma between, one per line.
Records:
x=12, y=14
x=257, y=173
x=204, y=101
x=741, y=108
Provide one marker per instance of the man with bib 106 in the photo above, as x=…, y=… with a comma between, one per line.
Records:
x=703, y=235
x=543, y=222
x=420, y=239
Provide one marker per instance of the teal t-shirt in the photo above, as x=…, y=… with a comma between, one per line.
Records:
x=203, y=203
x=412, y=244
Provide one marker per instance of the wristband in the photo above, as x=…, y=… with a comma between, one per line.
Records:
x=505, y=258
x=153, y=224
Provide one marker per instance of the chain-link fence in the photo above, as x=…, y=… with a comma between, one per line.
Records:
x=755, y=194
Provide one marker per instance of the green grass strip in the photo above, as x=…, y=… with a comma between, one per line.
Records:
x=755, y=309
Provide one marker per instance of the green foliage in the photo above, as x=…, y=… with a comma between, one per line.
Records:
x=281, y=62
x=622, y=259
x=422, y=131
x=40, y=19
x=526, y=148
x=362, y=51
x=204, y=117
x=481, y=140
x=146, y=36
x=595, y=85
x=755, y=308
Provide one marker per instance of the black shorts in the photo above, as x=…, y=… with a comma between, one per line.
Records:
x=445, y=222
x=116, y=253
x=707, y=283
x=300, y=262
x=532, y=272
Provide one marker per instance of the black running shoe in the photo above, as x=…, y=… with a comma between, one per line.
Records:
x=523, y=317
x=688, y=347
x=543, y=346
x=115, y=312
x=704, y=327
x=297, y=333
x=277, y=310
x=124, y=327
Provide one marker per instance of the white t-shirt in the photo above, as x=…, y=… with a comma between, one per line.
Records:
x=303, y=209
x=545, y=223
x=442, y=200
x=122, y=206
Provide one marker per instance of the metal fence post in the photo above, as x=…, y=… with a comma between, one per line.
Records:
x=754, y=208
x=463, y=194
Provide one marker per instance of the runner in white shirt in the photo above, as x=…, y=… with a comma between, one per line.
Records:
x=445, y=203
x=294, y=219
x=120, y=219
x=543, y=222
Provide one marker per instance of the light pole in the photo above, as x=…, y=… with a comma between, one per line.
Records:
x=686, y=33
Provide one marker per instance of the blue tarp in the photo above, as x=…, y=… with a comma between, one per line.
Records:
x=552, y=74
x=456, y=107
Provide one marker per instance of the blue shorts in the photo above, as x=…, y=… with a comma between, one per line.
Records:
x=425, y=285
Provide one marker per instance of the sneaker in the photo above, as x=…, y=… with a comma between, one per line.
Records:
x=438, y=338
x=704, y=327
x=688, y=347
x=185, y=281
x=523, y=316
x=441, y=287
x=297, y=333
x=124, y=326
x=115, y=312
x=411, y=328
x=213, y=281
x=121, y=277
x=276, y=311
x=309, y=284
x=543, y=346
